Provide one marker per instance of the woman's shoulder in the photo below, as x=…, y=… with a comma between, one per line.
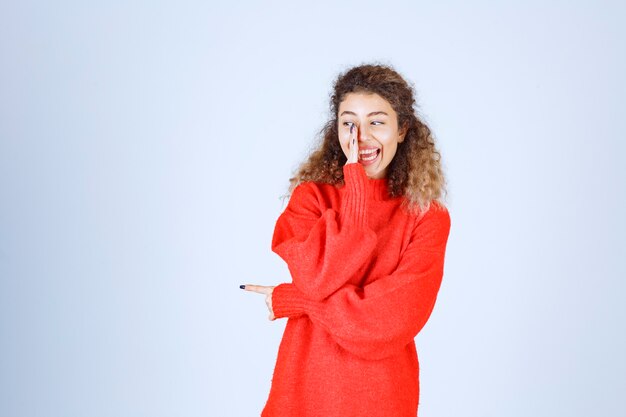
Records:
x=313, y=194
x=313, y=188
x=435, y=221
x=435, y=212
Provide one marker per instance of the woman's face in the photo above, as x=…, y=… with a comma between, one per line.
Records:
x=377, y=131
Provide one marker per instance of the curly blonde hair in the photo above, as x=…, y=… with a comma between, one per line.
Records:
x=415, y=171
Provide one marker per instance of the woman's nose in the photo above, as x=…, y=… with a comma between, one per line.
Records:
x=362, y=133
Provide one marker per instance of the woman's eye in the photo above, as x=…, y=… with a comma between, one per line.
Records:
x=348, y=124
x=376, y=123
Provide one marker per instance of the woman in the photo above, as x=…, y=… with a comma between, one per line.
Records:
x=364, y=236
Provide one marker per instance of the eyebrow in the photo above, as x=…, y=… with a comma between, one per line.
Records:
x=374, y=113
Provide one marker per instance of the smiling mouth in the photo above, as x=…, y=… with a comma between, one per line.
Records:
x=368, y=155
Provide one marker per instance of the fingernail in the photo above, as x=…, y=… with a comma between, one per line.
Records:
x=243, y=287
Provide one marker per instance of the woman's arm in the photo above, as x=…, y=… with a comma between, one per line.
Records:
x=381, y=318
x=313, y=242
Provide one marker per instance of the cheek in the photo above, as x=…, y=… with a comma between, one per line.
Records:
x=344, y=139
x=343, y=144
x=390, y=150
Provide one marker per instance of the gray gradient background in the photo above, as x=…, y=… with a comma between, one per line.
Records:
x=144, y=147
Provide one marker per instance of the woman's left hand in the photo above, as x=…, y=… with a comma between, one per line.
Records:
x=267, y=290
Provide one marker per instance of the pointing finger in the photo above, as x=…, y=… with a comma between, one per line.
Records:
x=261, y=289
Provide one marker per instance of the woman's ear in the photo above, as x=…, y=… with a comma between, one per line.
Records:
x=402, y=132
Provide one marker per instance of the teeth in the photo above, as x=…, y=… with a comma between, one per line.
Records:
x=368, y=151
x=368, y=155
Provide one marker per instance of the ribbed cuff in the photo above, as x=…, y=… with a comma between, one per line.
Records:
x=287, y=301
x=354, y=204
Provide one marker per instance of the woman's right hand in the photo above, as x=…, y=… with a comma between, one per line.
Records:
x=265, y=290
x=353, y=146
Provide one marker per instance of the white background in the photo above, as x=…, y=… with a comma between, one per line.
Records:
x=144, y=147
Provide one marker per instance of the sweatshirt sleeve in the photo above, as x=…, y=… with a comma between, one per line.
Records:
x=381, y=318
x=313, y=241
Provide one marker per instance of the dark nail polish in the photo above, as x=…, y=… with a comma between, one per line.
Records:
x=243, y=287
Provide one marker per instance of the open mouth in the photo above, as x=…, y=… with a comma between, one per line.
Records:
x=368, y=155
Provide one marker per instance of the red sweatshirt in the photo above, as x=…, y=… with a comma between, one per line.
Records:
x=365, y=276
